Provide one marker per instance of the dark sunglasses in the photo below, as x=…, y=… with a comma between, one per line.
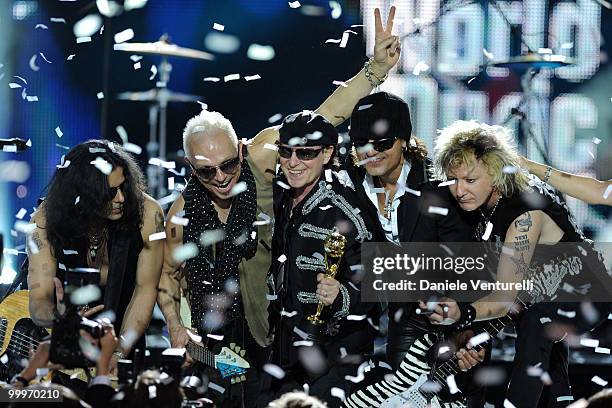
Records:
x=302, y=153
x=378, y=145
x=112, y=191
x=208, y=173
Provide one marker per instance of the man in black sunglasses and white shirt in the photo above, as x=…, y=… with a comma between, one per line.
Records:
x=224, y=198
x=389, y=168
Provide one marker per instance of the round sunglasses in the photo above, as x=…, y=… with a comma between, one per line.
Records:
x=378, y=145
x=302, y=153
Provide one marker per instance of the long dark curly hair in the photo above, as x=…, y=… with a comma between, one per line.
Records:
x=78, y=196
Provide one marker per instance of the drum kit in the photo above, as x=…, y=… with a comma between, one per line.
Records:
x=159, y=97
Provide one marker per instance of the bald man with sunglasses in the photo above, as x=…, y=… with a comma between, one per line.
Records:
x=230, y=190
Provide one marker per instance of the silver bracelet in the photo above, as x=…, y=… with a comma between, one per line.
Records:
x=369, y=74
x=547, y=174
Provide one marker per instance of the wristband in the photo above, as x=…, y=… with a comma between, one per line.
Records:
x=468, y=314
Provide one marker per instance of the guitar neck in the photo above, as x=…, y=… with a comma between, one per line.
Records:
x=201, y=354
x=492, y=327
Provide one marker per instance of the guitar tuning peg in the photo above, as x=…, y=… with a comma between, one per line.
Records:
x=233, y=380
x=243, y=377
x=242, y=353
x=237, y=349
x=232, y=345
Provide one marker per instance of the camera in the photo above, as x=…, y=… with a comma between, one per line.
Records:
x=65, y=347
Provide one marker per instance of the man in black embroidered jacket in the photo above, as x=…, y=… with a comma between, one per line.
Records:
x=310, y=203
x=389, y=168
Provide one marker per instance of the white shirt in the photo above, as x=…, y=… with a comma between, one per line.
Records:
x=389, y=226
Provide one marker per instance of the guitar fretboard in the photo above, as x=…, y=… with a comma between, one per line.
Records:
x=201, y=354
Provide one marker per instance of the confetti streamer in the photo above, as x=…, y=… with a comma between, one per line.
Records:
x=81, y=40
x=478, y=339
x=252, y=77
x=437, y=210
x=274, y=370
x=218, y=27
x=452, y=384
x=153, y=72
x=211, y=79
x=231, y=77
x=488, y=231
x=59, y=132
x=57, y=20
x=338, y=393
x=294, y=4
x=157, y=236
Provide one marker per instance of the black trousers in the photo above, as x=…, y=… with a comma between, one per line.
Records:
x=539, y=343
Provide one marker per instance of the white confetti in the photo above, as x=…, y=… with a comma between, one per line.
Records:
x=452, y=384
x=155, y=161
x=137, y=65
x=231, y=77
x=218, y=27
x=274, y=370
x=14, y=85
x=274, y=118
x=479, y=339
x=70, y=252
x=152, y=391
x=336, y=10
x=282, y=258
x=599, y=381
x=124, y=36
x=589, y=342
x=488, y=231
x=175, y=219
x=437, y=210
x=212, y=79
x=32, y=63
x=218, y=337
x=21, y=213
x=100, y=95
x=153, y=70
x=413, y=192
x=356, y=317
x=238, y=189
x=102, y=165
x=344, y=40
x=4, y=359
x=86, y=294
x=208, y=238
x=216, y=387
x=283, y=185
x=327, y=207
x=545, y=320
x=470, y=80
x=252, y=77
x=271, y=146
x=59, y=132
x=185, y=252
x=135, y=57
x=510, y=169
x=24, y=227
x=569, y=314
x=602, y=350
x=41, y=26
x=76, y=200
x=332, y=40
x=565, y=398
x=32, y=98
x=340, y=83
x=420, y=66
x=157, y=236
x=596, y=140
x=487, y=54
x=294, y=4
x=81, y=40
x=260, y=52
x=132, y=148
x=606, y=193
x=338, y=393
x=57, y=20
x=508, y=404
x=70, y=57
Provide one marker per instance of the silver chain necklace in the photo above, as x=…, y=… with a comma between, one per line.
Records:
x=484, y=220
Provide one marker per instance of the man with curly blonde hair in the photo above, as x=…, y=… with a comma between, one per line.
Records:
x=517, y=213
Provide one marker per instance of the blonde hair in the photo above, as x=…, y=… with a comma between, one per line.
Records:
x=466, y=142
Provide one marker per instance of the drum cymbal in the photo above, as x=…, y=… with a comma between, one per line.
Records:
x=158, y=95
x=542, y=61
x=163, y=48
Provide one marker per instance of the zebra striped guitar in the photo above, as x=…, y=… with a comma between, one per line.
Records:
x=413, y=382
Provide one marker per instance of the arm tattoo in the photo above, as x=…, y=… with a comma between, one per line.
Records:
x=523, y=223
x=159, y=222
x=521, y=243
x=36, y=239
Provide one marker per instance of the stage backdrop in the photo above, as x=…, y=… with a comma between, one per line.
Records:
x=57, y=90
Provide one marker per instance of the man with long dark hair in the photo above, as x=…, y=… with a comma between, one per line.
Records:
x=97, y=215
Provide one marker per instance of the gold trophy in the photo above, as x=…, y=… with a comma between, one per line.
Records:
x=334, y=245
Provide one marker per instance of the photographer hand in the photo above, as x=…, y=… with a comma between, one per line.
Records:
x=107, y=363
